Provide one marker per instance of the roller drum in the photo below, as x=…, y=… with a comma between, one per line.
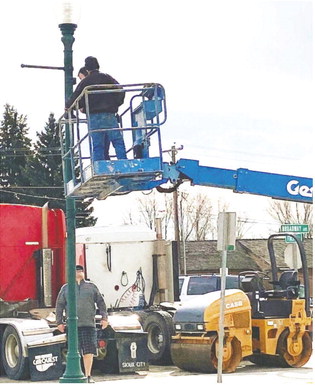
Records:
x=193, y=356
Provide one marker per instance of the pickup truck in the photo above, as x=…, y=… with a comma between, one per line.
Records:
x=192, y=286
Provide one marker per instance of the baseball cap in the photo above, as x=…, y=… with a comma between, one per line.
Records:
x=79, y=268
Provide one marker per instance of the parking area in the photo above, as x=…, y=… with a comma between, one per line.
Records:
x=246, y=373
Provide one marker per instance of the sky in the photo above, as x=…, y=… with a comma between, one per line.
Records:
x=238, y=77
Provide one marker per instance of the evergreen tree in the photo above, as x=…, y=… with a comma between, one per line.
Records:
x=15, y=148
x=45, y=172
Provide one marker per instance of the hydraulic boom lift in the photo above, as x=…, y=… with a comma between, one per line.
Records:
x=260, y=323
x=143, y=117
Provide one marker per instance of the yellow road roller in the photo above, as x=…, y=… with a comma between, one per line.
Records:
x=265, y=321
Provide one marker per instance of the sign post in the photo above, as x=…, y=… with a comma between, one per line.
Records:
x=226, y=242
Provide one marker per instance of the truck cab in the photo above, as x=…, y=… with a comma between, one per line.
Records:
x=193, y=286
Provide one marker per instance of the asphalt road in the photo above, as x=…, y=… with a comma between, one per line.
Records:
x=246, y=374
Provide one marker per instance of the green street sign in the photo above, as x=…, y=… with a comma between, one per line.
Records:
x=289, y=239
x=294, y=228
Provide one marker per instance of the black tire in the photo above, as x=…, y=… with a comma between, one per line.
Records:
x=159, y=326
x=14, y=364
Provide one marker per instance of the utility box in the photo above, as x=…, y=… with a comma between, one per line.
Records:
x=45, y=362
x=126, y=352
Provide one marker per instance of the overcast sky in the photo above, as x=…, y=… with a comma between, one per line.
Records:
x=237, y=74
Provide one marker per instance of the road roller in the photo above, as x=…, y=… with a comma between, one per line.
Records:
x=195, y=345
x=266, y=321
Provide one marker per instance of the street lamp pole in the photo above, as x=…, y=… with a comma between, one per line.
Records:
x=73, y=373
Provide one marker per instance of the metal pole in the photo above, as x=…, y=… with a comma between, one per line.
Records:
x=226, y=241
x=221, y=318
x=184, y=250
x=176, y=216
x=73, y=373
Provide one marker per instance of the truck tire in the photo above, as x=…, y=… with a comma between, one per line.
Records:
x=14, y=364
x=159, y=326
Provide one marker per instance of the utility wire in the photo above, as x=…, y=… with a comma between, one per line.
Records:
x=26, y=155
x=31, y=187
x=32, y=196
x=9, y=149
x=37, y=196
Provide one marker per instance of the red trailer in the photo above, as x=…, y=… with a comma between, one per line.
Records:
x=32, y=270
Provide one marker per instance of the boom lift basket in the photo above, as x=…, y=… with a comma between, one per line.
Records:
x=140, y=123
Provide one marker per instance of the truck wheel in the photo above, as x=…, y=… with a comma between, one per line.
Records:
x=14, y=364
x=159, y=326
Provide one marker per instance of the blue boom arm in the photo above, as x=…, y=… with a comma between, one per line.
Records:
x=278, y=186
x=144, y=169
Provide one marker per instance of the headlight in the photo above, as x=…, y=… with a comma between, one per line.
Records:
x=200, y=327
x=178, y=327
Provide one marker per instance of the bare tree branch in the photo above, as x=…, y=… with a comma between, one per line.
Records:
x=292, y=212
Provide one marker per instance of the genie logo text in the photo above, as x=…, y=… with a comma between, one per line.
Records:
x=294, y=188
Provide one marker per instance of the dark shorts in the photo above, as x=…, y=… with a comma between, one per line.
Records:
x=87, y=340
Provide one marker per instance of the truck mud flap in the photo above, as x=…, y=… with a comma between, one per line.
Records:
x=126, y=352
x=45, y=362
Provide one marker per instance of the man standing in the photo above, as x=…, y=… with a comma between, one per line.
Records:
x=87, y=296
x=102, y=112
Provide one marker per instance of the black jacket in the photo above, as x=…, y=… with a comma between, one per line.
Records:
x=103, y=102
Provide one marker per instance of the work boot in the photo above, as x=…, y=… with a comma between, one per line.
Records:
x=90, y=380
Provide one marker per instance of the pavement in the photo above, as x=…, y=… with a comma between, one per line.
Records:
x=246, y=374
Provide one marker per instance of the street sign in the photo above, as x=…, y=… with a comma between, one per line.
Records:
x=289, y=239
x=297, y=229
x=294, y=228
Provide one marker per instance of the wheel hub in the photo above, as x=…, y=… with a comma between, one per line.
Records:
x=12, y=351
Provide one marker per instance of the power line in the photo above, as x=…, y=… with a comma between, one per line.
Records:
x=32, y=196
x=26, y=155
x=19, y=149
x=37, y=196
x=32, y=187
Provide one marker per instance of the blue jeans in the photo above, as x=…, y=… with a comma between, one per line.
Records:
x=102, y=139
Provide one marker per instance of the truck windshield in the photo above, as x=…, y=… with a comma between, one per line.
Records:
x=202, y=285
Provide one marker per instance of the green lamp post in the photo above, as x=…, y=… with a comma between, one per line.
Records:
x=73, y=372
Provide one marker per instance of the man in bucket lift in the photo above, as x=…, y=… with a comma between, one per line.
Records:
x=102, y=112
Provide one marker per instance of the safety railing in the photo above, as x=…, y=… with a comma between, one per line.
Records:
x=143, y=112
